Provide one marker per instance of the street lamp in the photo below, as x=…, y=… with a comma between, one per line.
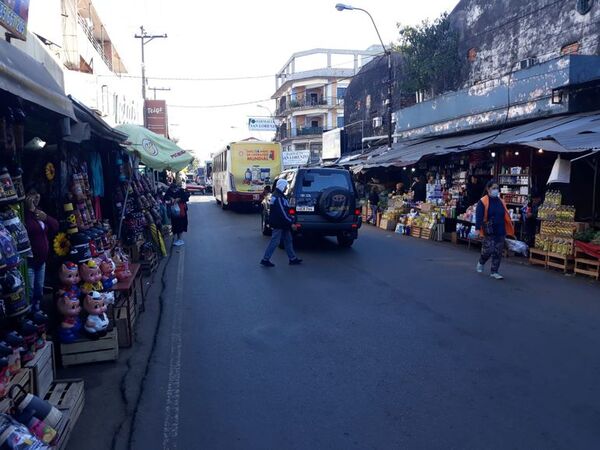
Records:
x=388, y=52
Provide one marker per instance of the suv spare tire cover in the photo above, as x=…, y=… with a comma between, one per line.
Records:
x=335, y=204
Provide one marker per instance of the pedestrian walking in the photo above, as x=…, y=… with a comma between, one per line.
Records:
x=177, y=199
x=373, y=203
x=494, y=224
x=282, y=224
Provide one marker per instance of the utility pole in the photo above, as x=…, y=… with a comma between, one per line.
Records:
x=158, y=89
x=146, y=39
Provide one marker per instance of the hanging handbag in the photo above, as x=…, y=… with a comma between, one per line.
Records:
x=175, y=210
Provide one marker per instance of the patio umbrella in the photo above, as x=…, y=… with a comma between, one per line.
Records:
x=154, y=150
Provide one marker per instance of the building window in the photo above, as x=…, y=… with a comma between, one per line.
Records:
x=314, y=124
x=571, y=49
x=300, y=147
x=472, y=54
x=340, y=121
x=341, y=92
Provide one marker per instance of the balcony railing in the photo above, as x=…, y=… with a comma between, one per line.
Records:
x=308, y=131
x=307, y=103
x=89, y=32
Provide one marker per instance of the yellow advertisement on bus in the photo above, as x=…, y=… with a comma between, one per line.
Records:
x=254, y=165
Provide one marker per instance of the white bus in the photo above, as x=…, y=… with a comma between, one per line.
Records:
x=242, y=170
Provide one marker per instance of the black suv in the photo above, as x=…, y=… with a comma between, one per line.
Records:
x=323, y=201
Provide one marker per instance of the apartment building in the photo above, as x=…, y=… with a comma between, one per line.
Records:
x=309, y=96
x=93, y=70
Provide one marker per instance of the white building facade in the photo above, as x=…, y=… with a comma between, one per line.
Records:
x=93, y=70
x=309, y=97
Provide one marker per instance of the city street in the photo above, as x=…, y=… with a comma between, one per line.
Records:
x=395, y=343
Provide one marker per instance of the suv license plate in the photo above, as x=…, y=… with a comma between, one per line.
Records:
x=305, y=209
x=256, y=197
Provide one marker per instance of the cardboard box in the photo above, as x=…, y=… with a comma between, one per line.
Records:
x=388, y=225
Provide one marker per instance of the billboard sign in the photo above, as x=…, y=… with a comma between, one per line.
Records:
x=332, y=144
x=155, y=115
x=13, y=17
x=254, y=165
x=295, y=158
x=261, y=124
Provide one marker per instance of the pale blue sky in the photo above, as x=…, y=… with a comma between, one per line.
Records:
x=240, y=38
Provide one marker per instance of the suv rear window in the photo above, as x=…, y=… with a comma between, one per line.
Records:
x=318, y=180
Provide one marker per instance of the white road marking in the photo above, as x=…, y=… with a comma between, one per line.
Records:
x=171, y=425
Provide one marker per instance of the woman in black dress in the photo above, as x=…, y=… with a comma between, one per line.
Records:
x=176, y=199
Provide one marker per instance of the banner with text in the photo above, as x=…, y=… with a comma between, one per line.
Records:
x=295, y=158
x=13, y=17
x=156, y=117
x=261, y=124
x=255, y=165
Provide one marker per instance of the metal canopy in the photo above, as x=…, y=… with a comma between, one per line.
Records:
x=565, y=134
x=23, y=76
x=97, y=126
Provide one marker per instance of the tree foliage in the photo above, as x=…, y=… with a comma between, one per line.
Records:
x=431, y=56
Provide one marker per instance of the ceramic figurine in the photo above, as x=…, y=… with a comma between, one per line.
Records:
x=70, y=324
x=69, y=279
x=91, y=276
x=122, y=271
x=29, y=331
x=41, y=322
x=96, y=324
x=107, y=267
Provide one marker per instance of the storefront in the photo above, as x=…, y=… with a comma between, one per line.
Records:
x=547, y=173
x=73, y=206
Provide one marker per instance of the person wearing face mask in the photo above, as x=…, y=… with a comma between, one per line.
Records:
x=494, y=224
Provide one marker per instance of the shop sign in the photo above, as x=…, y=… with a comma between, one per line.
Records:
x=294, y=158
x=332, y=144
x=156, y=116
x=261, y=124
x=13, y=17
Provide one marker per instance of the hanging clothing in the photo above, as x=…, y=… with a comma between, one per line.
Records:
x=97, y=174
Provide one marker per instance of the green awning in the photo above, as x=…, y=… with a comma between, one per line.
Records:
x=154, y=150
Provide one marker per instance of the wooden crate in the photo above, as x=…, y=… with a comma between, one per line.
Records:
x=415, y=232
x=538, y=257
x=43, y=369
x=149, y=266
x=69, y=397
x=22, y=378
x=562, y=262
x=387, y=225
x=125, y=324
x=426, y=233
x=87, y=351
x=586, y=265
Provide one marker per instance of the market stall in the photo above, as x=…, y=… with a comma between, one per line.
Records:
x=35, y=116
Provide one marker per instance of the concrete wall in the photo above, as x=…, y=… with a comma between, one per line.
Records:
x=504, y=32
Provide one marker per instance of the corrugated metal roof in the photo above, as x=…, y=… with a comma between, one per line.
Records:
x=564, y=134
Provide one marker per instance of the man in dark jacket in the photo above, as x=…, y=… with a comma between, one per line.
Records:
x=281, y=223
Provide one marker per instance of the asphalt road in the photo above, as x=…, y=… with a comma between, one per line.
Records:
x=394, y=344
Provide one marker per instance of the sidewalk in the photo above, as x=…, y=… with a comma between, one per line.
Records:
x=465, y=249
x=112, y=389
